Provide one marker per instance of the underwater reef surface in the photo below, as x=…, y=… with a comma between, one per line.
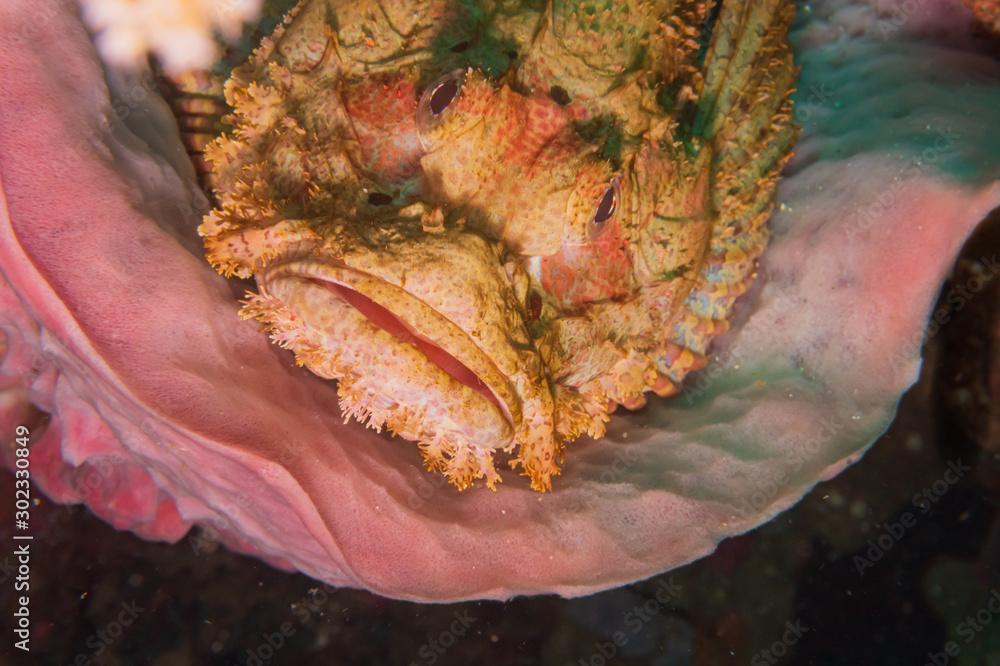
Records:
x=165, y=413
x=819, y=568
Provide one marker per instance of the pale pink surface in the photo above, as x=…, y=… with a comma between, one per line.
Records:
x=169, y=411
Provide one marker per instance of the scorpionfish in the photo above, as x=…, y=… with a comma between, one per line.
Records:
x=494, y=222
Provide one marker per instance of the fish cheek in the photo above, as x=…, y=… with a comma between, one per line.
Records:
x=585, y=273
x=530, y=220
x=457, y=161
x=382, y=110
x=456, y=172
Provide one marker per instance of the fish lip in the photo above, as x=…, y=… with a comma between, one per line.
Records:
x=503, y=394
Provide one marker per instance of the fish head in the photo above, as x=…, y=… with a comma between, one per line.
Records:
x=601, y=234
x=483, y=268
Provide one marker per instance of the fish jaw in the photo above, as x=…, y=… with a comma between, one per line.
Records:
x=453, y=370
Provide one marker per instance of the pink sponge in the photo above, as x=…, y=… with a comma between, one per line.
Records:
x=167, y=410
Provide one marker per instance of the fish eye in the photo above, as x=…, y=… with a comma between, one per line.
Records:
x=435, y=101
x=443, y=93
x=606, y=209
x=379, y=198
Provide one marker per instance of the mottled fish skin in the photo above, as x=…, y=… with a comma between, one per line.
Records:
x=495, y=222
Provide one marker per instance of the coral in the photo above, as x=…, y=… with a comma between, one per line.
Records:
x=181, y=33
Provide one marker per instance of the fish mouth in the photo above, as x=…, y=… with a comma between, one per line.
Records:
x=399, y=361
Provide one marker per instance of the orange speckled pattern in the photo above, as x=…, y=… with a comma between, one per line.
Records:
x=383, y=114
x=585, y=273
x=492, y=228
